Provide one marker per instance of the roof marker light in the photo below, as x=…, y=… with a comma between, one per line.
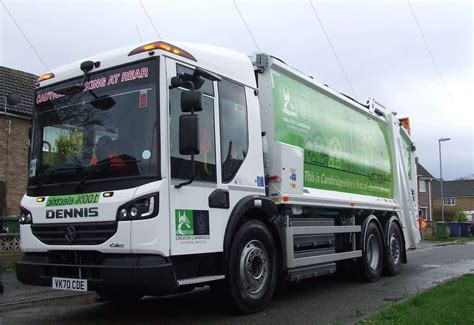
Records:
x=162, y=46
x=45, y=77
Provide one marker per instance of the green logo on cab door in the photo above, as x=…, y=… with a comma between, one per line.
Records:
x=184, y=222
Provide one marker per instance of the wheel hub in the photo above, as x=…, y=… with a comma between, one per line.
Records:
x=394, y=249
x=254, y=266
x=373, y=252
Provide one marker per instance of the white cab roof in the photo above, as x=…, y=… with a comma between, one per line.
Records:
x=224, y=62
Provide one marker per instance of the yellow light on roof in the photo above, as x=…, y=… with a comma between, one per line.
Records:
x=46, y=76
x=162, y=46
x=40, y=199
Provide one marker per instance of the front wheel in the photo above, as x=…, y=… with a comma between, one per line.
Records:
x=252, y=267
x=371, y=262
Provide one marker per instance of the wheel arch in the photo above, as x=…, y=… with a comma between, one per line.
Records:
x=363, y=232
x=252, y=207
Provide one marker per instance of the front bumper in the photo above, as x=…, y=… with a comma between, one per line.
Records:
x=144, y=274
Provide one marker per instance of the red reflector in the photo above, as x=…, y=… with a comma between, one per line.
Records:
x=275, y=178
x=143, y=99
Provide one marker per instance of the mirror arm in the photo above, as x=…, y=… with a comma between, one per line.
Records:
x=192, y=175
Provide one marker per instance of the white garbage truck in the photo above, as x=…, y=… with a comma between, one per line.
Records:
x=166, y=166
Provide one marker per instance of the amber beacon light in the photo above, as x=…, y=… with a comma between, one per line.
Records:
x=162, y=46
x=46, y=76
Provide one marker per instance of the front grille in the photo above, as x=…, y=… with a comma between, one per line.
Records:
x=92, y=233
x=76, y=257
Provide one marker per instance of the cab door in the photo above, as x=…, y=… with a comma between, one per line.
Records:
x=195, y=226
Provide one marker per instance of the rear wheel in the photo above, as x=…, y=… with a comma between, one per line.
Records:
x=371, y=262
x=393, y=253
x=252, y=268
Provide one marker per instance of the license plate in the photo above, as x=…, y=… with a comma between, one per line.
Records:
x=69, y=284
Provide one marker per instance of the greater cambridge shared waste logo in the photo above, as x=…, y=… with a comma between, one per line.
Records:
x=192, y=224
x=184, y=222
x=288, y=107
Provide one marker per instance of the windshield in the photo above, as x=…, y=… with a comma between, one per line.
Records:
x=107, y=132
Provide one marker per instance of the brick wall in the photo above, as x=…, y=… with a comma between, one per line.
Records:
x=16, y=154
x=462, y=203
x=16, y=174
x=423, y=197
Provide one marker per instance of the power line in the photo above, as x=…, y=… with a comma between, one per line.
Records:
x=24, y=35
x=138, y=32
x=149, y=19
x=429, y=51
x=246, y=26
x=332, y=48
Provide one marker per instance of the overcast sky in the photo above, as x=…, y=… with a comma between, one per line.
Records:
x=378, y=43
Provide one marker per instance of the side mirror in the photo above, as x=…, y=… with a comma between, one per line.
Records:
x=191, y=101
x=30, y=131
x=188, y=135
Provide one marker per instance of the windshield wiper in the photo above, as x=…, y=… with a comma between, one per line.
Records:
x=97, y=168
x=45, y=175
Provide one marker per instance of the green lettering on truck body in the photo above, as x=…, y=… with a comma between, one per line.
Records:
x=72, y=199
x=345, y=150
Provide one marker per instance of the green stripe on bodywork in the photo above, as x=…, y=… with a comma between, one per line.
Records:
x=72, y=199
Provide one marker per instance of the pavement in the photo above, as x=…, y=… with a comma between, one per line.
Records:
x=324, y=300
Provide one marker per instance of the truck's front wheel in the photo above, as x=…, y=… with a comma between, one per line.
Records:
x=252, y=268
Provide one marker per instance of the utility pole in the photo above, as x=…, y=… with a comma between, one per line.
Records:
x=441, y=176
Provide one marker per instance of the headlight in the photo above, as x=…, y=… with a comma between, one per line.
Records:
x=144, y=207
x=25, y=217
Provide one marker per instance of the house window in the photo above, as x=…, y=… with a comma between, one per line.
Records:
x=422, y=186
x=449, y=201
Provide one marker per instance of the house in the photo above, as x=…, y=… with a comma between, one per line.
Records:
x=424, y=191
x=458, y=196
x=14, y=123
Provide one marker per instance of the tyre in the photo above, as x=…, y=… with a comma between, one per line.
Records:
x=393, y=253
x=120, y=298
x=252, y=267
x=371, y=262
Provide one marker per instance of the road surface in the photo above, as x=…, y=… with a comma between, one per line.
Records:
x=325, y=300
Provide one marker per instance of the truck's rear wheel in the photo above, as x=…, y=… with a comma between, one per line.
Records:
x=393, y=253
x=252, y=269
x=371, y=262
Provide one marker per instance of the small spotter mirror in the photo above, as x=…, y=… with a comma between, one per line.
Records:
x=191, y=101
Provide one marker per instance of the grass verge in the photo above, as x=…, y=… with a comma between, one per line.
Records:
x=449, y=239
x=450, y=303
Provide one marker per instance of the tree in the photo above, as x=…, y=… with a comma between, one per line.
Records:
x=465, y=178
x=450, y=214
